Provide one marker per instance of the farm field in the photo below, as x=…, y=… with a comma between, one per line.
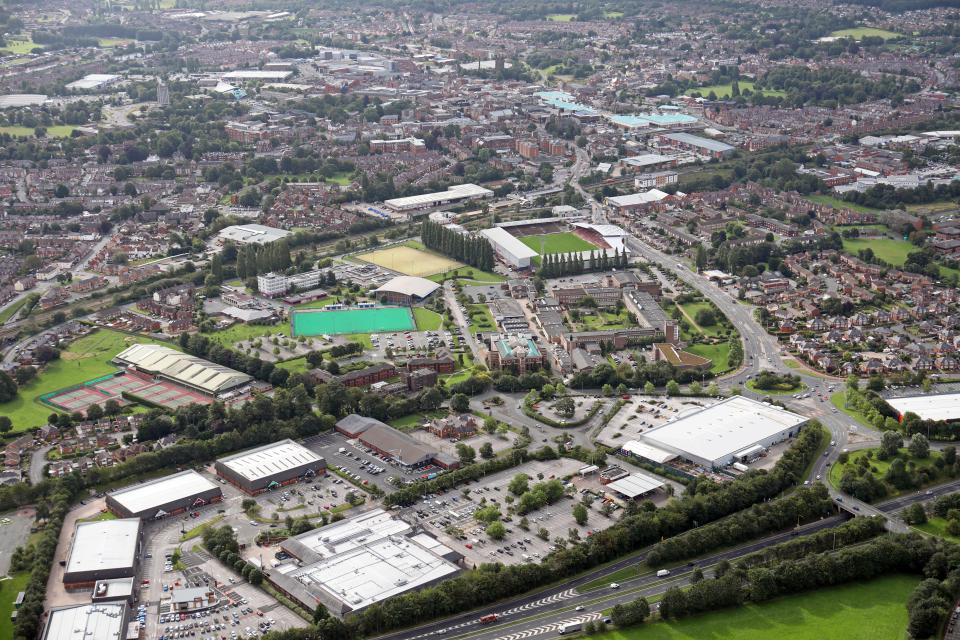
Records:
x=56, y=131
x=410, y=261
x=725, y=90
x=862, y=611
x=557, y=243
x=858, y=33
x=85, y=359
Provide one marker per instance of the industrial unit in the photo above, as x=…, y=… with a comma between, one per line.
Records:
x=164, y=496
x=350, y=565
x=87, y=622
x=424, y=201
x=737, y=429
x=102, y=550
x=270, y=466
x=943, y=406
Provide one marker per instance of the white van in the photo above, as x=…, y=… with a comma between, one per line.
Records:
x=663, y=573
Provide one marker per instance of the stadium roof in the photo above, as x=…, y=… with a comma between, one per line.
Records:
x=697, y=141
x=103, y=545
x=155, y=493
x=634, y=199
x=252, y=234
x=723, y=429
x=944, y=406
x=456, y=192
x=182, y=367
x=605, y=230
x=104, y=621
x=409, y=285
x=270, y=459
x=509, y=243
x=635, y=484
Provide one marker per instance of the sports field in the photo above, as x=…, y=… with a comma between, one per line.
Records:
x=726, y=90
x=564, y=242
x=410, y=261
x=858, y=33
x=893, y=252
x=316, y=322
x=862, y=611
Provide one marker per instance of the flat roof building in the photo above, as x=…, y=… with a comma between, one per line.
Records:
x=406, y=289
x=270, y=466
x=392, y=443
x=252, y=234
x=102, y=550
x=634, y=486
x=456, y=193
x=352, y=564
x=508, y=248
x=705, y=146
x=714, y=436
x=164, y=496
x=101, y=621
x=942, y=406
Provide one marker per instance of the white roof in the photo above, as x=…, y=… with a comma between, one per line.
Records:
x=149, y=495
x=645, y=197
x=103, y=545
x=346, y=535
x=83, y=622
x=252, y=233
x=257, y=75
x=717, y=432
x=456, y=192
x=605, y=230
x=92, y=80
x=500, y=237
x=181, y=367
x=635, y=484
x=409, y=285
x=644, y=450
x=271, y=459
x=943, y=406
x=646, y=160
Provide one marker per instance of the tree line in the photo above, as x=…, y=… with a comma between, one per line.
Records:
x=554, y=265
x=253, y=260
x=472, y=250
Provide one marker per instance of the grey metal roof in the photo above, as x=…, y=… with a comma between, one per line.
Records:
x=156, y=493
x=270, y=459
x=103, y=545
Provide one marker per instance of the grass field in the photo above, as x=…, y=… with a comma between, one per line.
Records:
x=109, y=43
x=341, y=178
x=295, y=365
x=8, y=312
x=470, y=275
x=85, y=359
x=564, y=242
x=718, y=354
x=601, y=320
x=412, y=262
x=427, y=320
x=839, y=400
x=561, y=17
x=690, y=310
x=893, y=252
x=480, y=318
x=315, y=323
x=839, y=204
x=837, y=469
x=858, y=33
x=724, y=90
x=56, y=131
x=241, y=331
x=862, y=611
x=8, y=593
x=937, y=527
x=20, y=45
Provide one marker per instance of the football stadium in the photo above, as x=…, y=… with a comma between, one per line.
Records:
x=522, y=242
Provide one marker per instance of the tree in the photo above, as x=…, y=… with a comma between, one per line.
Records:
x=519, y=484
x=486, y=450
x=673, y=388
x=580, y=514
x=460, y=403
x=915, y=514
x=496, y=530
x=466, y=453
x=713, y=390
x=890, y=443
x=565, y=407
x=696, y=576
x=320, y=613
x=5, y=424
x=649, y=388
x=919, y=446
x=111, y=407
x=94, y=412
x=926, y=385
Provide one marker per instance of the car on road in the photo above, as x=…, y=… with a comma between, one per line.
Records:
x=614, y=585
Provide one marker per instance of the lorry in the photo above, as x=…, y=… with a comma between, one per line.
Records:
x=663, y=573
x=570, y=627
x=487, y=619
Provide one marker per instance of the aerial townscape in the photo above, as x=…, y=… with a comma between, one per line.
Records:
x=480, y=320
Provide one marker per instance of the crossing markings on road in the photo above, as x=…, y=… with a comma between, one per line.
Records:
x=557, y=597
x=549, y=628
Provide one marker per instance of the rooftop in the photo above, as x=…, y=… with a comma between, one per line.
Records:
x=270, y=459
x=697, y=141
x=252, y=234
x=86, y=621
x=635, y=484
x=409, y=285
x=509, y=243
x=155, y=493
x=456, y=192
x=943, y=406
x=103, y=545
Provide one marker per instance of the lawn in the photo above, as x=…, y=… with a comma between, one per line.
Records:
x=20, y=45
x=724, y=90
x=561, y=17
x=85, y=359
x=839, y=400
x=776, y=392
x=100, y=517
x=8, y=593
x=239, y=332
x=341, y=178
x=893, y=252
x=690, y=310
x=718, y=353
x=601, y=320
x=862, y=611
x=426, y=319
x=837, y=469
x=198, y=530
x=858, y=33
x=937, y=527
x=296, y=365
x=7, y=313
x=412, y=261
x=564, y=242
x=480, y=318
x=55, y=131
x=840, y=204
x=470, y=275
x=414, y=420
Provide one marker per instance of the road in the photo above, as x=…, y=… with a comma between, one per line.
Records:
x=450, y=298
x=38, y=462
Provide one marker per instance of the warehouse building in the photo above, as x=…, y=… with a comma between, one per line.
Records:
x=164, y=496
x=100, y=621
x=453, y=195
x=394, y=444
x=252, y=234
x=182, y=368
x=944, y=406
x=102, y=550
x=406, y=290
x=510, y=250
x=270, y=466
x=737, y=429
x=702, y=146
x=352, y=564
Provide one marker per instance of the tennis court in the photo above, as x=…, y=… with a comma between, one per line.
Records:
x=78, y=399
x=112, y=387
x=168, y=395
x=317, y=322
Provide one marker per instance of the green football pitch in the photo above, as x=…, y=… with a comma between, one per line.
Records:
x=564, y=242
x=317, y=322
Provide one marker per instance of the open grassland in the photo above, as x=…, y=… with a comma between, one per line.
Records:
x=717, y=353
x=561, y=17
x=863, y=611
x=564, y=242
x=840, y=204
x=726, y=90
x=859, y=33
x=410, y=261
x=893, y=252
x=20, y=45
x=56, y=131
x=85, y=359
